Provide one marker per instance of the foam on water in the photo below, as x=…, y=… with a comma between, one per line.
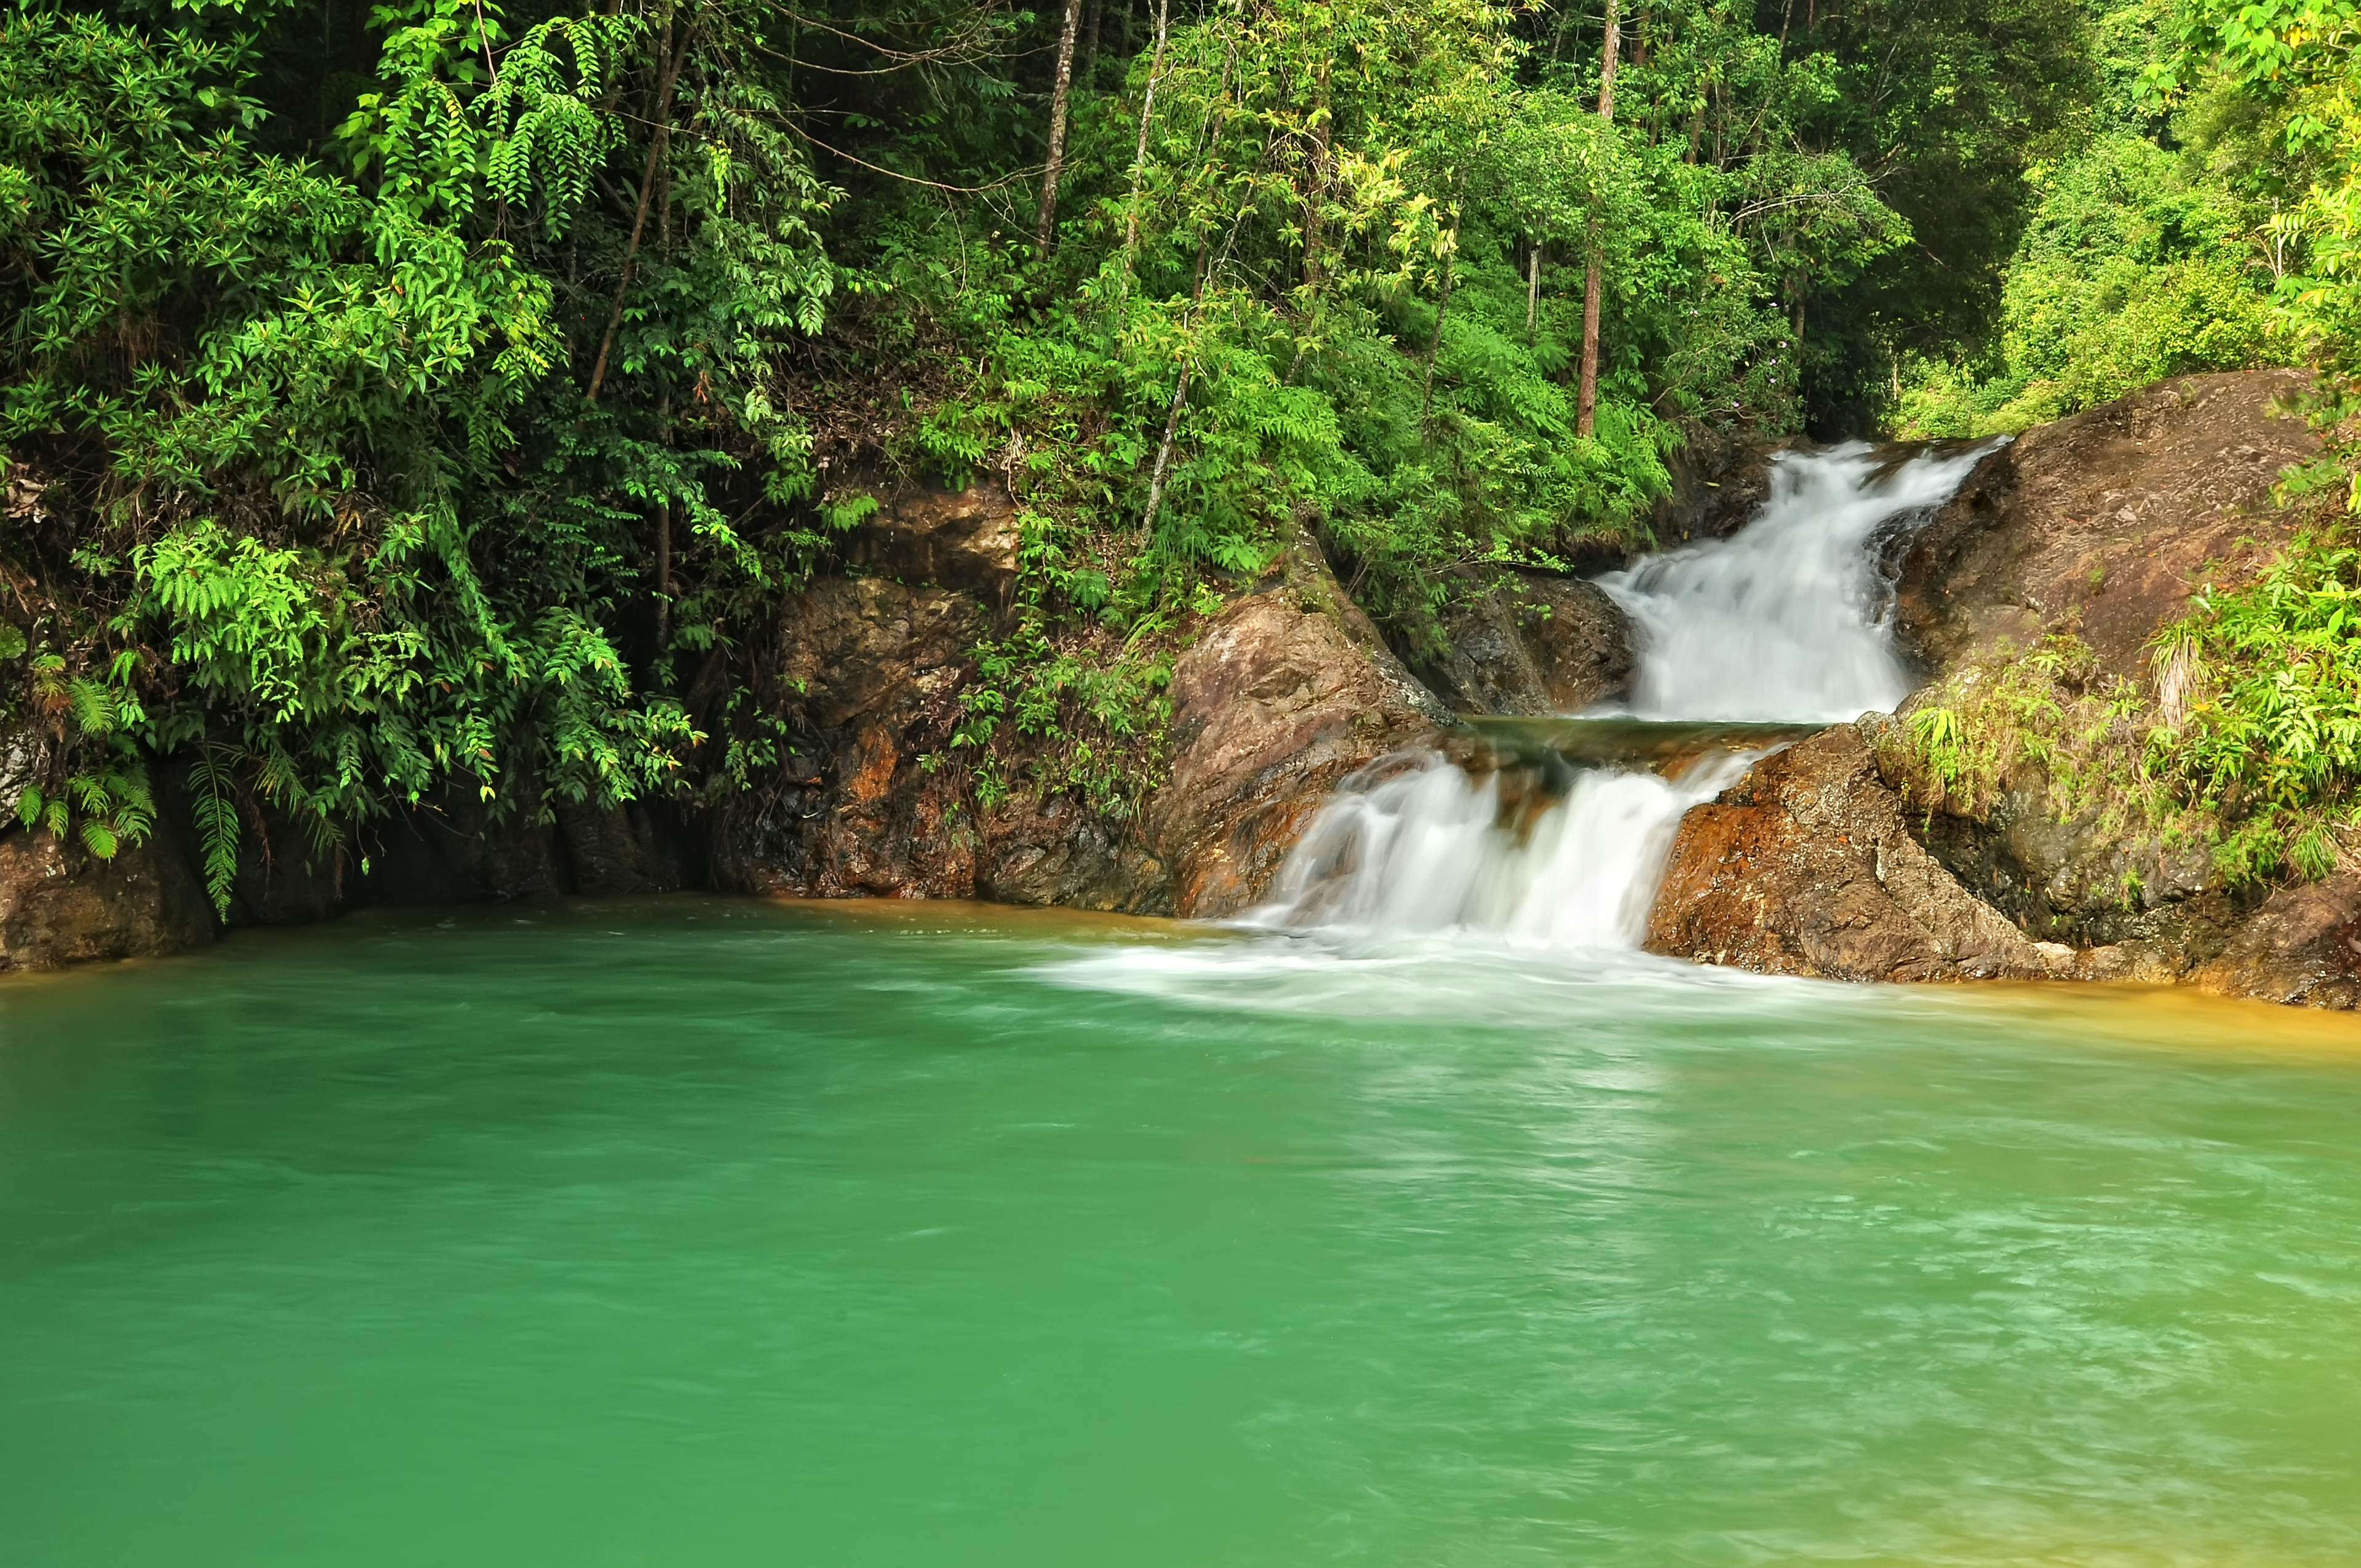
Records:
x=1427, y=850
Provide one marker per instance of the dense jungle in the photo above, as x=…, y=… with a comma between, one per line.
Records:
x=445, y=395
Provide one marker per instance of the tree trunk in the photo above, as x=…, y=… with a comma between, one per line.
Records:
x=1315, y=193
x=669, y=72
x=1586, y=403
x=1139, y=159
x=1532, y=291
x=1180, y=398
x=1057, y=123
x=1442, y=308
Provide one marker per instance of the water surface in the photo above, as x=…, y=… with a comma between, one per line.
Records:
x=700, y=1232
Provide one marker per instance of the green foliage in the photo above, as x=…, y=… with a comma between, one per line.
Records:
x=2046, y=718
x=436, y=395
x=2271, y=739
x=2138, y=264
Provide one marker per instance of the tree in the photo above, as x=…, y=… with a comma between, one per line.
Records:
x=1587, y=403
x=1064, y=86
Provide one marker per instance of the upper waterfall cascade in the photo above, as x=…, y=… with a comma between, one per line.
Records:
x=1786, y=620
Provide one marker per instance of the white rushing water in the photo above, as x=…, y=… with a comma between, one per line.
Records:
x=1424, y=850
x=1786, y=620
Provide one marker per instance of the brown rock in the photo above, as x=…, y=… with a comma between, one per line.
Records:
x=866, y=679
x=952, y=539
x=2304, y=946
x=1053, y=849
x=1719, y=486
x=1288, y=690
x=1535, y=645
x=60, y=905
x=1806, y=867
x=2105, y=522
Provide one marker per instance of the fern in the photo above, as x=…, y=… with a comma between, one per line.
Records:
x=214, y=804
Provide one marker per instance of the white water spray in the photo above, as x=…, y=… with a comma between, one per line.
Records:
x=1427, y=849
x=1787, y=620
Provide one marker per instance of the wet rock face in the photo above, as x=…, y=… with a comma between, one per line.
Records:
x=1806, y=867
x=2104, y=523
x=2077, y=882
x=866, y=677
x=949, y=539
x=1286, y=692
x=871, y=801
x=60, y=905
x=2304, y=946
x=1535, y=645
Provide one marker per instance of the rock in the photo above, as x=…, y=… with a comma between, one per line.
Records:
x=2105, y=522
x=865, y=679
x=1286, y=691
x=455, y=849
x=2304, y=946
x=2079, y=881
x=2101, y=525
x=1806, y=867
x=950, y=539
x=1718, y=486
x=636, y=848
x=61, y=905
x=1534, y=645
x=1052, y=849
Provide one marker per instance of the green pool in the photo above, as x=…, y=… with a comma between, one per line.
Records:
x=703, y=1233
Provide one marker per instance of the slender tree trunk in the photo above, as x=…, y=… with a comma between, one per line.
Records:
x=1315, y=194
x=1057, y=124
x=1090, y=40
x=1586, y=403
x=1139, y=159
x=1532, y=291
x=1172, y=415
x=668, y=74
x=663, y=579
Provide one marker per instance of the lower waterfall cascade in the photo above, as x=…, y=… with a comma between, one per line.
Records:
x=1787, y=620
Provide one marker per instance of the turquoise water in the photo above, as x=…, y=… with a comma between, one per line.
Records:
x=703, y=1233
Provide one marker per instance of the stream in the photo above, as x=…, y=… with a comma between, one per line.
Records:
x=715, y=1233
x=1420, y=1218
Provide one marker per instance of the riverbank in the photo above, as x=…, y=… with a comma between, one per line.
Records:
x=1819, y=862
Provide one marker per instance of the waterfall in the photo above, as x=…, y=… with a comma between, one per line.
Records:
x=1430, y=848
x=1787, y=620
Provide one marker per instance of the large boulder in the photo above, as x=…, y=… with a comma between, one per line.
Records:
x=2100, y=528
x=2304, y=946
x=865, y=680
x=2105, y=522
x=1807, y=867
x=1283, y=692
x=1286, y=691
x=61, y=905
